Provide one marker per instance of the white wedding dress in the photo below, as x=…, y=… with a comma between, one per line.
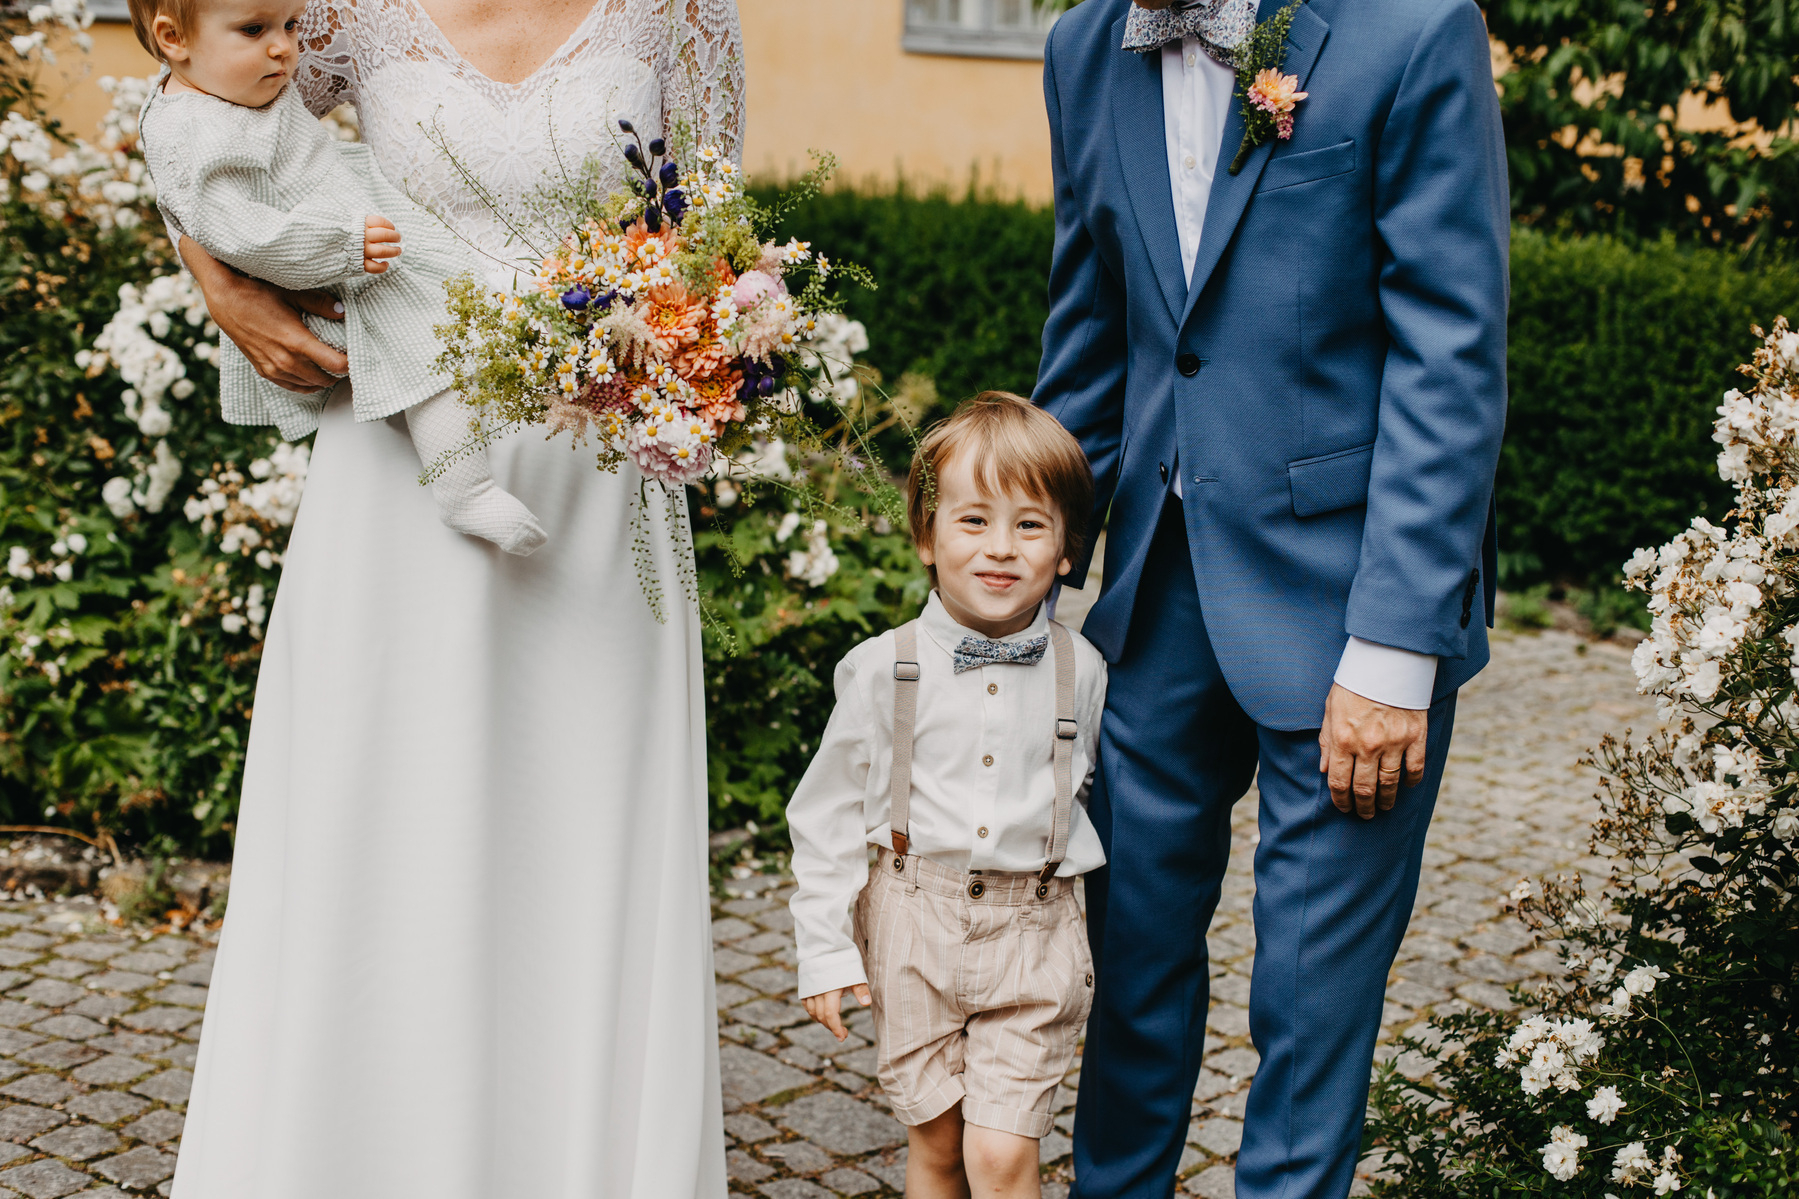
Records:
x=467, y=950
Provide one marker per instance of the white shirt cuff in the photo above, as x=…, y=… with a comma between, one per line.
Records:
x=830, y=971
x=1398, y=678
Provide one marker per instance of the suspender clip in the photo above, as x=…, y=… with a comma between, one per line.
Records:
x=1067, y=730
x=905, y=672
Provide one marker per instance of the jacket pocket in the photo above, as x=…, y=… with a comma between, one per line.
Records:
x=1330, y=481
x=1291, y=170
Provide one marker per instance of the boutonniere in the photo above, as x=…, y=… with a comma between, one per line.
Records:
x=1268, y=96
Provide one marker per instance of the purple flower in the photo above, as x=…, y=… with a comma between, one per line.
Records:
x=652, y=217
x=670, y=174
x=626, y=125
x=575, y=298
x=675, y=201
x=658, y=146
x=633, y=155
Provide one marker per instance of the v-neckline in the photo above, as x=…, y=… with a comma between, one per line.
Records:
x=573, y=40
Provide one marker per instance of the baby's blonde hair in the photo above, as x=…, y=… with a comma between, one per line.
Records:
x=145, y=12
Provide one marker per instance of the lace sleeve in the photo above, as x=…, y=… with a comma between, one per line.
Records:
x=326, y=74
x=703, y=71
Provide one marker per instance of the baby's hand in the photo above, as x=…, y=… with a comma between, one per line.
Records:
x=380, y=242
x=825, y=1006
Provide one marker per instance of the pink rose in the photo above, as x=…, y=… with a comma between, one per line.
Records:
x=754, y=286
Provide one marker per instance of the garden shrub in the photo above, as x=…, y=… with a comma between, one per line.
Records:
x=1663, y=1055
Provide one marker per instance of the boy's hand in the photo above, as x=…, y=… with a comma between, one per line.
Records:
x=825, y=1007
x=380, y=242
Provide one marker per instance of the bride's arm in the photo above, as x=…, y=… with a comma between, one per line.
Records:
x=703, y=79
x=264, y=322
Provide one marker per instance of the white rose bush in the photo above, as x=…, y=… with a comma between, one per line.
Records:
x=1662, y=1059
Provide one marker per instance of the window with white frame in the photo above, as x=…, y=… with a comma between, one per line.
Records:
x=977, y=28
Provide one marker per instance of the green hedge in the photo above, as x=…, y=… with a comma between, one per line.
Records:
x=1618, y=359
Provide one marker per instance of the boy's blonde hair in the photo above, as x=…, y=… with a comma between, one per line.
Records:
x=1016, y=447
x=145, y=12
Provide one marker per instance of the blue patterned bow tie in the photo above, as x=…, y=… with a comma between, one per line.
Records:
x=976, y=652
x=1221, y=26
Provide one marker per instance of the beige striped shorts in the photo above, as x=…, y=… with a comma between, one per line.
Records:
x=980, y=988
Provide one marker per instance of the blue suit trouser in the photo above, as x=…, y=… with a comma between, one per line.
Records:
x=1333, y=897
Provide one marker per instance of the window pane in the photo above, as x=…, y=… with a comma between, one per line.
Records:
x=1012, y=14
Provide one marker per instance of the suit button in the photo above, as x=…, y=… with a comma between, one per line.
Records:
x=1187, y=364
x=977, y=889
x=1163, y=467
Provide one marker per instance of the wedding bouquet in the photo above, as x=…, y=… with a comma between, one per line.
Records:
x=662, y=325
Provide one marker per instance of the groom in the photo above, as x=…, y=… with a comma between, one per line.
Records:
x=1291, y=383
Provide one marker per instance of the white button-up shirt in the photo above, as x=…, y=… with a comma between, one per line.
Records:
x=1197, y=91
x=983, y=780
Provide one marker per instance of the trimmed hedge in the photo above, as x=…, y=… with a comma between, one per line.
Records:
x=1619, y=359
x=1619, y=356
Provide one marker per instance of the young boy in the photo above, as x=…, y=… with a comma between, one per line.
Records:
x=957, y=747
x=242, y=168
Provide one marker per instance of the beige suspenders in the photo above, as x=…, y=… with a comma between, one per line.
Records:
x=905, y=720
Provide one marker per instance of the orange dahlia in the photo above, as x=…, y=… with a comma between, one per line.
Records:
x=639, y=233
x=715, y=395
x=705, y=356
x=673, y=318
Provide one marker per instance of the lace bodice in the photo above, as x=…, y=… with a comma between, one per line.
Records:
x=445, y=133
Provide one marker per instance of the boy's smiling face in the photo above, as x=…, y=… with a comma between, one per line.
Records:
x=242, y=51
x=996, y=551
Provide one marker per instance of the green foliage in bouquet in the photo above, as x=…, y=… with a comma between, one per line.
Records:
x=1663, y=1058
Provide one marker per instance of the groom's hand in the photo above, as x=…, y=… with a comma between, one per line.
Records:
x=1366, y=748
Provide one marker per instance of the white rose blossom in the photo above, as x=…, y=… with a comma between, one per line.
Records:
x=1561, y=1156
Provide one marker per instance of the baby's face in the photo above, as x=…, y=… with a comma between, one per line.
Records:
x=996, y=551
x=242, y=51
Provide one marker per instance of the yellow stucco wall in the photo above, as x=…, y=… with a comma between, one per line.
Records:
x=73, y=83
x=830, y=74
x=824, y=74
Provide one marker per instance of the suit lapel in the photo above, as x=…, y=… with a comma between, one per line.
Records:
x=1137, y=119
x=1231, y=193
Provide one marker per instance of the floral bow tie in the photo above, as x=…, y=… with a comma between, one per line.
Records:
x=976, y=652
x=1221, y=26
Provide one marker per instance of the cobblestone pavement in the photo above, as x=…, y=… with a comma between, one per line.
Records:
x=98, y=1026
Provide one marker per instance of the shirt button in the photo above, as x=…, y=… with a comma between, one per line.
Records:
x=981, y=832
x=1192, y=59
x=1189, y=162
x=986, y=759
x=992, y=688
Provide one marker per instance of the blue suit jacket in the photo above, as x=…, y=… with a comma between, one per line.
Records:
x=1332, y=384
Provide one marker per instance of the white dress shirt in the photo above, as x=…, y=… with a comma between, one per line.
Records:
x=983, y=779
x=1197, y=91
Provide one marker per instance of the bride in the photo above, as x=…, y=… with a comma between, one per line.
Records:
x=468, y=953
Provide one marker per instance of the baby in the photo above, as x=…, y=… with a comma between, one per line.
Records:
x=242, y=168
x=962, y=747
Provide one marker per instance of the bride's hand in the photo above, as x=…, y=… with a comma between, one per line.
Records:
x=264, y=322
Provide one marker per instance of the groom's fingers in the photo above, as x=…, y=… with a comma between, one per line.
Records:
x=1340, y=775
x=1388, y=774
